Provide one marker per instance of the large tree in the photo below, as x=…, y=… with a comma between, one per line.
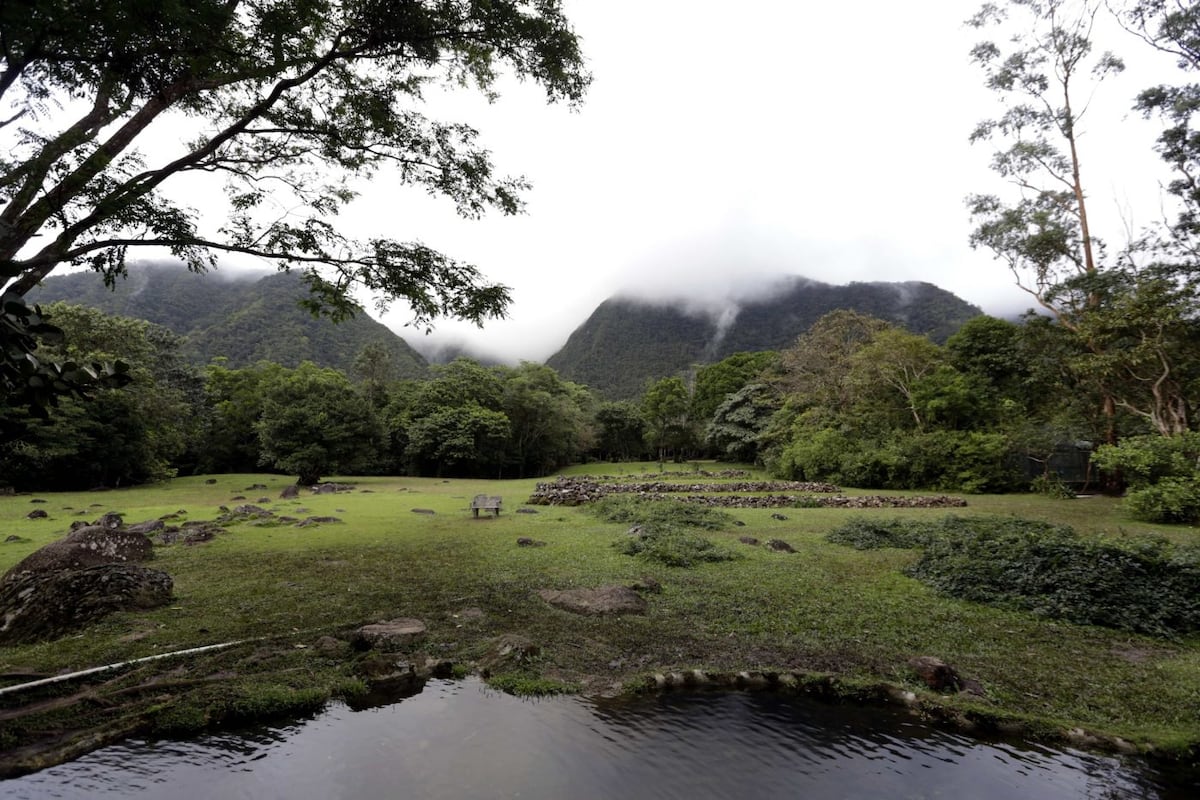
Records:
x=290, y=101
x=1043, y=77
x=1173, y=26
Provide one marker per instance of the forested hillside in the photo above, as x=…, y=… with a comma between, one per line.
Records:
x=626, y=342
x=244, y=319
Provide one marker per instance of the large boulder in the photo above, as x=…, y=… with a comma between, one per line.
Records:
x=85, y=547
x=45, y=605
x=395, y=634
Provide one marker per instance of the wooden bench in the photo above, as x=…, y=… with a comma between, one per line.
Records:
x=482, y=501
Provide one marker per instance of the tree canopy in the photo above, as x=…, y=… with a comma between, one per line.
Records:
x=290, y=102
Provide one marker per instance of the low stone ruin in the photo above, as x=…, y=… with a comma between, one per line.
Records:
x=565, y=491
x=580, y=491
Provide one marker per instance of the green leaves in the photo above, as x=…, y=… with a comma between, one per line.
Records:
x=296, y=98
x=36, y=383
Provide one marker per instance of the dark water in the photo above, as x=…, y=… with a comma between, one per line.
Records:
x=460, y=740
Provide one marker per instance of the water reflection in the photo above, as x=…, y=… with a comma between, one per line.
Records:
x=459, y=740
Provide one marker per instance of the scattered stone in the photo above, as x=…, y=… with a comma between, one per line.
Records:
x=35, y=606
x=148, y=527
x=509, y=650
x=237, y=497
x=211, y=481
x=328, y=644
x=251, y=511
x=423, y=511
x=310, y=521
x=191, y=533
x=525, y=510
x=525, y=541
x=595, y=602
x=780, y=546
x=439, y=667
x=37, y=500
x=37, y=513
x=750, y=540
x=290, y=492
x=332, y=488
x=223, y=508
x=646, y=583
x=13, y=538
x=737, y=523
x=263, y=500
x=780, y=517
x=471, y=613
x=393, y=634
x=937, y=674
x=111, y=520
x=255, y=486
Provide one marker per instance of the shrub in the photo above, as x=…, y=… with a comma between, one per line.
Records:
x=1171, y=500
x=1163, y=475
x=1147, y=587
x=869, y=534
x=1052, y=486
x=674, y=548
x=655, y=514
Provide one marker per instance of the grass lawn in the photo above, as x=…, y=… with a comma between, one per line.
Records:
x=824, y=610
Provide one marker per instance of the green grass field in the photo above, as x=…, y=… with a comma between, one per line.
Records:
x=826, y=609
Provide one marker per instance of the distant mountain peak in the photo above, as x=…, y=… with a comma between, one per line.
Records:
x=629, y=340
x=241, y=316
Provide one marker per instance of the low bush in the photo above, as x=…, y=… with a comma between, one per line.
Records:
x=1147, y=587
x=674, y=548
x=1171, y=500
x=654, y=515
x=1163, y=476
x=872, y=534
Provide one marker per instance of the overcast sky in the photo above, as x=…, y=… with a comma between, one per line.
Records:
x=725, y=141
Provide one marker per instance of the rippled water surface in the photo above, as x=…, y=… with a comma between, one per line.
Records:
x=460, y=740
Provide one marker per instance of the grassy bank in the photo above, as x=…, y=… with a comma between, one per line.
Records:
x=826, y=609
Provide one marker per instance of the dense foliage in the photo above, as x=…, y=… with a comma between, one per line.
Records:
x=1146, y=586
x=241, y=318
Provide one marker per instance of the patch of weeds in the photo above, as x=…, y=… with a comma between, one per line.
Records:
x=674, y=548
x=272, y=700
x=178, y=718
x=459, y=671
x=862, y=533
x=1052, y=486
x=660, y=513
x=521, y=685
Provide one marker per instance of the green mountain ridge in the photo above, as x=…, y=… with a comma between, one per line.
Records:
x=244, y=318
x=627, y=342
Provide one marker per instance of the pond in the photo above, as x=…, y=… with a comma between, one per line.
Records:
x=462, y=740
